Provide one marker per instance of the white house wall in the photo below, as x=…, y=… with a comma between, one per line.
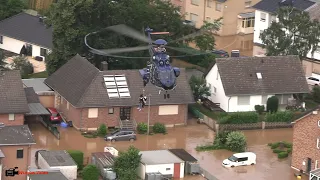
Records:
x=213, y=80
x=13, y=45
x=260, y=25
x=254, y=100
x=181, y=170
x=160, y=168
x=69, y=172
x=142, y=171
x=0, y=171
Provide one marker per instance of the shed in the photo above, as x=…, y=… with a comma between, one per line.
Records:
x=191, y=163
x=58, y=160
x=52, y=175
x=314, y=175
x=104, y=161
x=160, y=161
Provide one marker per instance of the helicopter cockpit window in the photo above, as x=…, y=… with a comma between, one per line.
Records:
x=161, y=63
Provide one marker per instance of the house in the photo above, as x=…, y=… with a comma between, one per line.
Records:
x=46, y=94
x=238, y=15
x=82, y=96
x=306, y=143
x=13, y=101
x=25, y=30
x=47, y=174
x=191, y=165
x=161, y=161
x=240, y=83
x=15, y=148
x=58, y=159
x=265, y=13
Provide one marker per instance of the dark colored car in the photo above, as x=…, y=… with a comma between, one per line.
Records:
x=220, y=53
x=55, y=116
x=121, y=135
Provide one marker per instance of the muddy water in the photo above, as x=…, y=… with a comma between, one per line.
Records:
x=243, y=43
x=268, y=166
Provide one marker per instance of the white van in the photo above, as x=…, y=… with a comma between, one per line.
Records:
x=240, y=159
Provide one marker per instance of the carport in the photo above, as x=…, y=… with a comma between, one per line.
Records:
x=36, y=108
x=315, y=175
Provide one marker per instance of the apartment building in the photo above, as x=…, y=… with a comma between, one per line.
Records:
x=238, y=15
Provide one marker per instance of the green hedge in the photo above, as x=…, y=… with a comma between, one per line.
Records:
x=77, y=156
x=239, y=118
x=281, y=116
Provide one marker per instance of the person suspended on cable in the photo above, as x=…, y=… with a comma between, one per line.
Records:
x=142, y=101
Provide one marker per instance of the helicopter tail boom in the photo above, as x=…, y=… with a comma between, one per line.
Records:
x=155, y=33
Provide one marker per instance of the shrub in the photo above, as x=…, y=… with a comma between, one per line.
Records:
x=102, y=130
x=221, y=138
x=142, y=128
x=22, y=64
x=77, y=156
x=287, y=144
x=282, y=155
x=272, y=104
x=275, y=145
x=282, y=116
x=159, y=128
x=316, y=94
x=239, y=118
x=259, y=108
x=278, y=151
x=236, y=141
x=289, y=150
x=90, y=172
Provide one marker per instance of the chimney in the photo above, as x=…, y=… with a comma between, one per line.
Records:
x=104, y=66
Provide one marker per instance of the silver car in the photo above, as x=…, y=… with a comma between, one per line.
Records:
x=121, y=135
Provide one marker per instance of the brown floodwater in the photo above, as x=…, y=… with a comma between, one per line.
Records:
x=268, y=166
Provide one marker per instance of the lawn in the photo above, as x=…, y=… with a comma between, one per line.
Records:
x=43, y=74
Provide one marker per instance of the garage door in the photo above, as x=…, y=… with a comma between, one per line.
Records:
x=176, y=170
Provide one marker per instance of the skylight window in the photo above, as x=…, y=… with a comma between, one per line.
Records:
x=259, y=75
x=117, y=86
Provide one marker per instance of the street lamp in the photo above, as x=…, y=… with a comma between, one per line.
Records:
x=149, y=97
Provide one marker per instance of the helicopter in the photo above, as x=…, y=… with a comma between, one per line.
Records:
x=159, y=71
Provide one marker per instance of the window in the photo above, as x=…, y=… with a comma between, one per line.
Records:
x=243, y=100
x=195, y=2
x=318, y=143
x=168, y=169
x=259, y=75
x=169, y=110
x=1, y=39
x=11, y=117
x=248, y=22
x=43, y=52
x=92, y=112
x=264, y=99
x=68, y=105
x=263, y=17
x=247, y=4
x=218, y=6
x=214, y=89
x=19, y=153
x=243, y=159
x=110, y=111
x=209, y=3
x=193, y=17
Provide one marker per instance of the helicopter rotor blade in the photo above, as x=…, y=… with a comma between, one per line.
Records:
x=128, y=31
x=185, y=50
x=122, y=50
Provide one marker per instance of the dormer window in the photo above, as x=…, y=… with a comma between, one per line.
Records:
x=259, y=75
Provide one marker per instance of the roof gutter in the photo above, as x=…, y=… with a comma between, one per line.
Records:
x=22, y=144
x=266, y=93
x=229, y=102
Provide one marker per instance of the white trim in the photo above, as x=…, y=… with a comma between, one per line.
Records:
x=318, y=123
x=318, y=143
x=316, y=165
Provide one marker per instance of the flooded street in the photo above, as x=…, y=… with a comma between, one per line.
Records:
x=268, y=166
x=243, y=43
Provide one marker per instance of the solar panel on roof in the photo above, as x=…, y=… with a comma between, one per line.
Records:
x=122, y=83
x=113, y=95
x=108, y=79
x=127, y=94
x=110, y=83
x=117, y=86
x=120, y=78
x=112, y=90
x=123, y=90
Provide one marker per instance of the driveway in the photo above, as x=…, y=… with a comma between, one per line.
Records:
x=268, y=166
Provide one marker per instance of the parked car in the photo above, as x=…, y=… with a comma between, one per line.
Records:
x=313, y=81
x=240, y=159
x=55, y=116
x=220, y=53
x=121, y=135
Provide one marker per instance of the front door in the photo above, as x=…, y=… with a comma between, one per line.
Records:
x=125, y=113
x=176, y=170
x=309, y=165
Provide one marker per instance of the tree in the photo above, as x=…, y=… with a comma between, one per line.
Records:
x=21, y=63
x=127, y=163
x=90, y=172
x=102, y=130
x=293, y=34
x=2, y=61
x=272, y=104
x=236, y=141
x=199, y=87
x=316, y=94
x=9, y=8
x=207, y=41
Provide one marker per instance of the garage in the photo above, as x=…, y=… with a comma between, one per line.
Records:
x=160, y=163
x=36, y=108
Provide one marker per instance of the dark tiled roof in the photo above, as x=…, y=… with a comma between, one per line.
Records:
x=26, y=27
x=272, y=6
x=280, y=75
x=16, y=135
x=50, y=176
x=183, y=154
x=12, y=95
x=81, y=83
x=32, y=97
x=57, y=158
x=37, y=84
x=314, y=11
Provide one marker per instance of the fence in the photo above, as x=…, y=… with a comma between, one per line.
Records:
x=207, y=175
x=50, y=127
